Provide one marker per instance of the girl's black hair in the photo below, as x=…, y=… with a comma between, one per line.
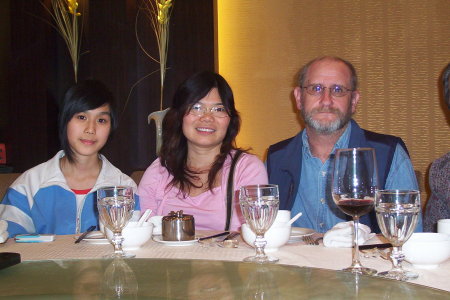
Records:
x=81, y=97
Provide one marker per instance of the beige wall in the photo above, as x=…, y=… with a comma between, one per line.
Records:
x=398, y=47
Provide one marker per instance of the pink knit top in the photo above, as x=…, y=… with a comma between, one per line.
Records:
x=208, y=208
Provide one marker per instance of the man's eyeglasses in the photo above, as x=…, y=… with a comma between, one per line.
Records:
x=218, y=111
x=336, y=90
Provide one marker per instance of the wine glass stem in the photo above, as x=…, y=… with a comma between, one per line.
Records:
x=117, y=242
x=356, y=263
x=260, y=243
x=397, y=258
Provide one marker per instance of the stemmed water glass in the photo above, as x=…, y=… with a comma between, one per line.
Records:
x=397, y=215
x=261, y=283
x=119, y=281
x=115, y=206
x=259, y=205
x=354, y=183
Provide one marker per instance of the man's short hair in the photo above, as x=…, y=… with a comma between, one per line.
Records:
x=305, y=68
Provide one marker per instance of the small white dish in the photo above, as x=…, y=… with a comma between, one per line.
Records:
x=95, y=238
x=158, y=239
x=426, y=250
x=298, y=232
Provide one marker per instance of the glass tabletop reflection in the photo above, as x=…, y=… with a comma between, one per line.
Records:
x=194, y=279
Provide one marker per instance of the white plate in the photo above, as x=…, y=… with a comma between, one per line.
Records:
x=297, y=233
x=158, y=238
x=95, y=237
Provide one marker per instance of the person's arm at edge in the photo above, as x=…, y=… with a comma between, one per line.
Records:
x=402, y=176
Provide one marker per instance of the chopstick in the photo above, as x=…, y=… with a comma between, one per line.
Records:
x=83, y=235
x=213, y=236
x=228, y=237
x=379, y=246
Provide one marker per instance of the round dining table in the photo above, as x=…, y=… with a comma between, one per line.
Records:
x=195, y=279
x=63, y=269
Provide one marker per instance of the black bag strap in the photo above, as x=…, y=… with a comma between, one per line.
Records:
x=230, y=190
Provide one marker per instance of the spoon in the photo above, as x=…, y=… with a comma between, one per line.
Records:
x=144, y=217
x=289, y=223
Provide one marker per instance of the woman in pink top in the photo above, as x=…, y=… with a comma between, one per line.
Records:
x=192, y=170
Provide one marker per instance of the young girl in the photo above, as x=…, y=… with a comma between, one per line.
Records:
x=59, y=196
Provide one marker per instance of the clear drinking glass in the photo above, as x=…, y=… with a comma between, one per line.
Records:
x=397, y=215
x=119, y=281
x=261, y=284
x=259, y=205
x=115, y=206
x=354, y=182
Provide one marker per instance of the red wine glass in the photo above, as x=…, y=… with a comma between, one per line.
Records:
x=354, y=183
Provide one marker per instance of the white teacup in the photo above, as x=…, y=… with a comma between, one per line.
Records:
x=276, y=236
x=443, y=226
x=157, y=224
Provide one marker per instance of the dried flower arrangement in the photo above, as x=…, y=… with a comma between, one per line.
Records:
x=159, y=12
x=65, y=13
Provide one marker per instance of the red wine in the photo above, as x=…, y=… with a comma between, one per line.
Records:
x=356, y=207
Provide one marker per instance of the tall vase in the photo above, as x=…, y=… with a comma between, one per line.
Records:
x=158, y=117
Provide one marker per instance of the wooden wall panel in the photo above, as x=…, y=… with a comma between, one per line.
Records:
x=399, y=49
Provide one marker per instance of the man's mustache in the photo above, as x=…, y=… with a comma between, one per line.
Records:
x=326, y=110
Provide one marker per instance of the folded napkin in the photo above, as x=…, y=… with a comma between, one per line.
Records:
x=4, y=236
x=3, y=233
x=341, y=235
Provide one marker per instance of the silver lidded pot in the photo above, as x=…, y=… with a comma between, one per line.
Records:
x=177, y=226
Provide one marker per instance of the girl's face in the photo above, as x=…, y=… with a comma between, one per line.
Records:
x=88, y=131
x=206, y=129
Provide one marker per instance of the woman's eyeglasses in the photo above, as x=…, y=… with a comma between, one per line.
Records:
x=216, y=110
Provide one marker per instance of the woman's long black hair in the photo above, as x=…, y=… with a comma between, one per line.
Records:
x=173, y=153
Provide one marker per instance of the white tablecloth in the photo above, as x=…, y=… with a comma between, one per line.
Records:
x=297, y=254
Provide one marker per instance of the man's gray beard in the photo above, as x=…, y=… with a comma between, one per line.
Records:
x=328, y=128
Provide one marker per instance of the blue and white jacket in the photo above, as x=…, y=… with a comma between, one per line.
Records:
x=40, y=201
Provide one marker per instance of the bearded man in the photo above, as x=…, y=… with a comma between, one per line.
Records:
x=327, y=97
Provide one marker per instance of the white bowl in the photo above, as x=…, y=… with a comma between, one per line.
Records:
x=283, y=216
x=426, y=250
x=276, y=236
x=133, y=236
